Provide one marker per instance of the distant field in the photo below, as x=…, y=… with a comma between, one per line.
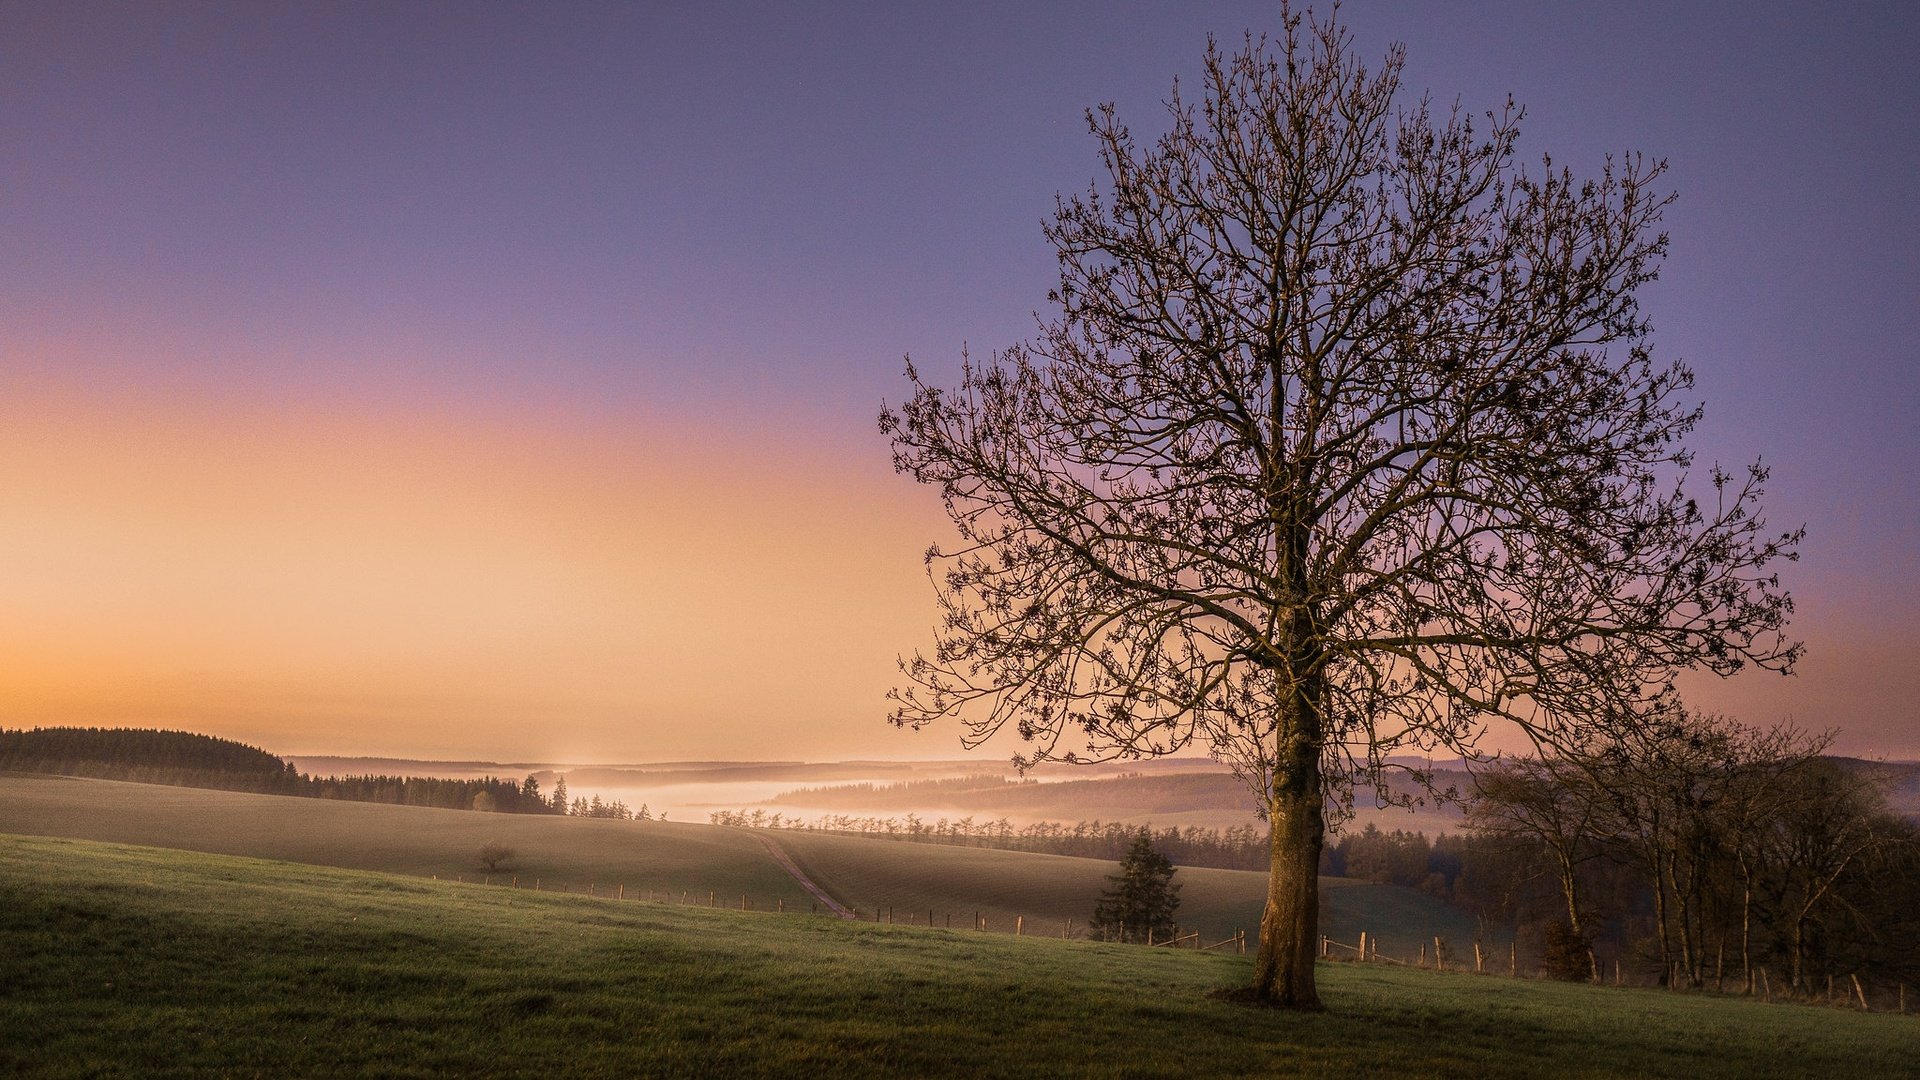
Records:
x=1164, y=792
x=1204, y=795
x=676, y=857
x=557, y=851
x=138, y=962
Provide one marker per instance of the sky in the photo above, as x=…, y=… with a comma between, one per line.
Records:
x=500, y=381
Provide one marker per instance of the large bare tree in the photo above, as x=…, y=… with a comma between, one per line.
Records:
x=1343, y=438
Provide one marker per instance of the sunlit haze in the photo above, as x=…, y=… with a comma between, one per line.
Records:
x=479, y=382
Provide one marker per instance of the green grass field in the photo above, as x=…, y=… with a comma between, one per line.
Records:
x=674, y=857
x=131, y=961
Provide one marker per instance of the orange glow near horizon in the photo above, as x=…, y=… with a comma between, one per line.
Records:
x=466, y=583
x=453, y=585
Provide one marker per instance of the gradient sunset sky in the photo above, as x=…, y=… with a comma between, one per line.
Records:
x=500, y=381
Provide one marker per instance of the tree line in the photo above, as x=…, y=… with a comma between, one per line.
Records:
x=580, y=806
x=1396, y=857
x=186, y=759
x=1240, y=847
x=148, y=756
x=1702, y=851
x=902, y=789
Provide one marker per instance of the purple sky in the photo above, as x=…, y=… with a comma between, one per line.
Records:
x=732, y=221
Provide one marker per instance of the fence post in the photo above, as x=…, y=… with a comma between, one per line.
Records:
x=1862, y=994
x=1242, y=936
x=710, y=899
x=1363, y=945
x=623, y=892
x=1478, y=967
x=1438, y=964
x=1766, y=986
x=1422, y=962
x=516, y=881
x=1019, y=924
x=1513, y=955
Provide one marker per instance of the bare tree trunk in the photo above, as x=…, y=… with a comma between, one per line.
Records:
x=1799, y=951
x=1660, y=918
x=1682, y=911
x=1570, y=885
x=1283, y=968
x=1746, y=925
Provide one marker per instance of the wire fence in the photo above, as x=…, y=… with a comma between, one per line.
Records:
x=1848, y=993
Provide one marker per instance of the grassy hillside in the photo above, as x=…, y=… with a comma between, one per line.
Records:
x=575, y=853
x=559, y=852
x=127, y=961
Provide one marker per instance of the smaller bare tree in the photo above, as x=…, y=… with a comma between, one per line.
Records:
x=1545, y=801
x=1827, y=822
x=493, y=854
x=1695, y=798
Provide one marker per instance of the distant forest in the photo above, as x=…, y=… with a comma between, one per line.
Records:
x=185, y=759
x=1239, y=848
x=1397, y=857
x=994, y=795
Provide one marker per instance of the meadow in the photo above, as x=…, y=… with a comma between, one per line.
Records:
x=557, y=852
x=683, y=858
x=139, y=961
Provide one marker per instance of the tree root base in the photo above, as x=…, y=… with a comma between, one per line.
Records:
x=1246, y=995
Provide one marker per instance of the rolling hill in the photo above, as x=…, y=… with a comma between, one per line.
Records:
x=676, y=858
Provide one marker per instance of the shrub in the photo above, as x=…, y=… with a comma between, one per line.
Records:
x=1566, y=954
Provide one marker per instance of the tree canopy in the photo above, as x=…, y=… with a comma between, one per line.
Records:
x=1344, y=437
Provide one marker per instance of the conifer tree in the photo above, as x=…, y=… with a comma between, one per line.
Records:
x=1141, y=904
